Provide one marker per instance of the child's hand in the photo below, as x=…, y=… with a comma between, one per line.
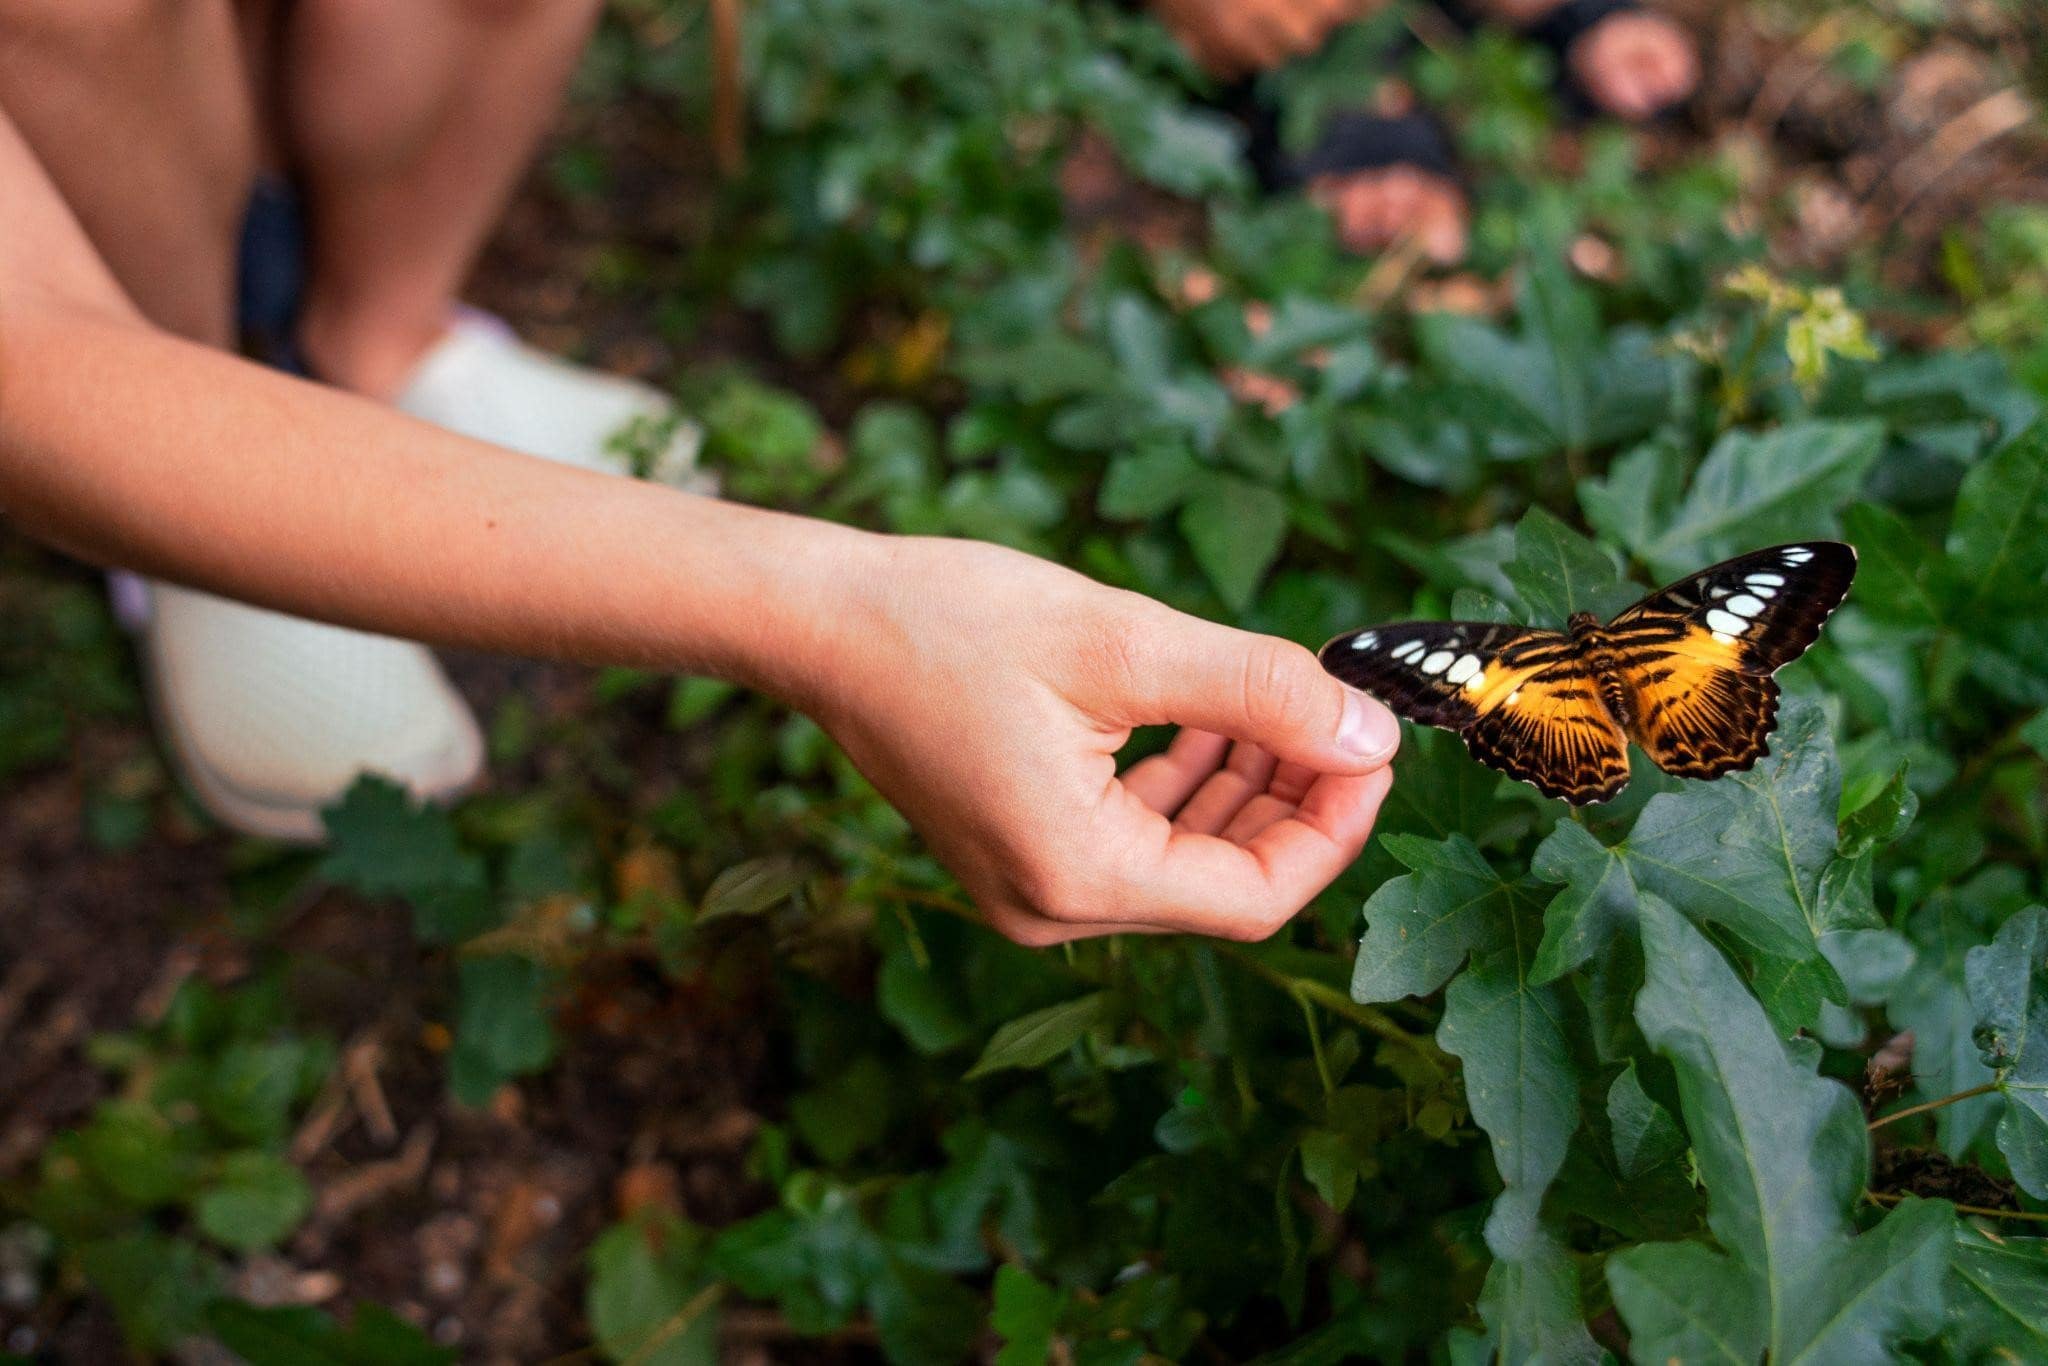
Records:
x=1237, y=37
x=986, y=694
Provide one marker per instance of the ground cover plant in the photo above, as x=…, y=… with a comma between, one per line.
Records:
x=674, y=1046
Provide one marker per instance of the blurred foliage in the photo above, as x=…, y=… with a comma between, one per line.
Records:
x=1574, y=1083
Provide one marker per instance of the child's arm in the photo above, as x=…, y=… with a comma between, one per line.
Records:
x=984, y=692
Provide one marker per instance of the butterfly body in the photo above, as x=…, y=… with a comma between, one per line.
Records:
x=1685, y=674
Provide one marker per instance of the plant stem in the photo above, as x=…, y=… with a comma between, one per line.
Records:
x=1893, y=1198
x=1925, y=1106
x=1307, y=989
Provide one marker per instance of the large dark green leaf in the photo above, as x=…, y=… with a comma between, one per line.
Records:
x=1997, y=1298
x=1783, y=1155
x=1420, y=926
x=1748, y=850
x=1523, y=1091
x=1753, y=490
x=1234, y=527
x=1999, y=539
x=1557, y=572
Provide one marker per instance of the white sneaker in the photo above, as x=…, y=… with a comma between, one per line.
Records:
x=271, y=718
x=482, y=381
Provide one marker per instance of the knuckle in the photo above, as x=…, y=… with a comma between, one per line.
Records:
x=1274, y=681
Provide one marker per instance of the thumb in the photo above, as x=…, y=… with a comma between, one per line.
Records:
x=1264, y=691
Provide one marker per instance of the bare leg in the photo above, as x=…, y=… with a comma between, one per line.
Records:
x=140, y=112
x=408, y=123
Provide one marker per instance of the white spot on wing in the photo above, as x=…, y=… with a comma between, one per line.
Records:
x=1464, y=668
x=1765, y=579
x=1365, y=640
x=1763, y=591
x=1437, y=662
x=1725, y=624
x=1798, y=554
x=1742, y=604
x=1718, y=591
x=1724, y=637
x=1407, y=650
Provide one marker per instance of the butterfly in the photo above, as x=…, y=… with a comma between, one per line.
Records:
x=1685, y=673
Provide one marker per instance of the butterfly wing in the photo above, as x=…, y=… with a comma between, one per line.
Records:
x=1695, y=659
x=1523, y=700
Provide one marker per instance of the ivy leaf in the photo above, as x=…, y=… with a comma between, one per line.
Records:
x=1523, y=1091
x=1519, y=1080
x=2008, y=984
x=1420, y=926
x=381, y=844
x=1036, y=1039
x=253, y=1201
x=1026, y=1317
x=649, y=1299
x=1783, y=1155
x=1747, y=850
x=294, y=1335
x=1597, y=901
x=503, y=1025
x=1997, y=1298
x=1557, y=572
x=1998, y=540
x=1754, y=489
x=1234, y=527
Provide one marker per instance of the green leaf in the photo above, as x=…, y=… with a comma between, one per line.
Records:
x=1036, y=1039
x=1783, y=1155
x=1753, y=490
x=1531, y=1306
x=650, y=1300
x=750, y=888
x=133, y=1151
x=1519, y=1079
x=1331, y=1166
x=1234, y=527
x=1026, y=1317
x=250, y=1089
x=1420, y=926
x=1899, y=577
x=1523, y=1091
x=846, y=1113
x=293, y=1335
x=1155, y=478
x=253, y=1200
x=1557, y=572
x=381, y=844
x=1998, y=539
x=2008, y=984
x=2035, y=733
x=1997, y=1298
x=158, y=1286
x=1747, y=850
x=503, y=1027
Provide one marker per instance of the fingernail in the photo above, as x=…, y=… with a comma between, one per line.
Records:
x=1367, y=729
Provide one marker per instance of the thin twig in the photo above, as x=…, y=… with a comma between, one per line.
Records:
x=1893, y=1198
x=1925, y=1106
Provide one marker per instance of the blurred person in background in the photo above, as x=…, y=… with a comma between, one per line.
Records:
x=1385, y=170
